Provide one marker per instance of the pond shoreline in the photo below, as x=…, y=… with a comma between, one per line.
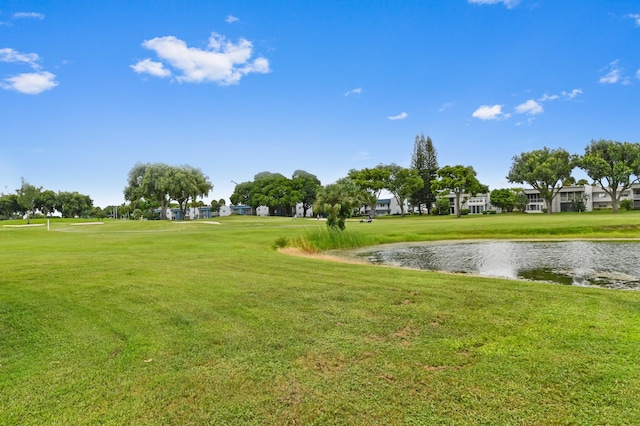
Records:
x=558, y=274
x=588, y=262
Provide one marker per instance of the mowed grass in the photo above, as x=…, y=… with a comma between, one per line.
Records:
x=197, y=323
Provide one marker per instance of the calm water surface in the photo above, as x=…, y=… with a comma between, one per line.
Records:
x=582, y=263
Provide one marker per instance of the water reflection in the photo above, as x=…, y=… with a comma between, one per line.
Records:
x=583, y=263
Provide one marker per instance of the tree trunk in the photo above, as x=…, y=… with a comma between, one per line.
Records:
x=163, y=210
x=183, y=211
x=458, y=213
x=615, y=202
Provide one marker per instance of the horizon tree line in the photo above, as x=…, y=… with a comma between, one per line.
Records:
x=613, y=165
x=29, y=199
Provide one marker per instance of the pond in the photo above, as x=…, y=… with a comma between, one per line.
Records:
x=604, y=264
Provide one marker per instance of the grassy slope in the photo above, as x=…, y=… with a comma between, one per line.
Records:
x=165, y=323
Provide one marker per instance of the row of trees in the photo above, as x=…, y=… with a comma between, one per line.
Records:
x=279, y=193
x=412, y=184
x=29, y=199
x=157, y=184
x=613, y=165
x=420, y=185
x=362, y=187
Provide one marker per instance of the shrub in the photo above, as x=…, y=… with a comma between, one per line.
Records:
x=464, y=212
x=442, y=206
x=281, y=242
x=626, y=205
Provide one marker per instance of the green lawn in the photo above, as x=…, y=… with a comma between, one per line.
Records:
x=196, y=323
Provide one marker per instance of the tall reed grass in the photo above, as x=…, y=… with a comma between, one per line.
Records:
x=323, y=239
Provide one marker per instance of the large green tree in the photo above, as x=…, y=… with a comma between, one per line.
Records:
x=459, y=180
x=28, y=197
x=613, y=165
x=373, y=181
x=276, y=191
x=307, y=185
x=338, y=200
x=242, y=195
x=9, y=206
x=149, y=182
x=544, y=169
x=402, y=182
x=504, y=199
x=47, y=202
x=156, y=184
x=74, y=204
x=159, y=183
x=187, y=183
x=424, y=161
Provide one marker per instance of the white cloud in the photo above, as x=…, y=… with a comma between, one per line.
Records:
x=635, y=17
x=564, y=95
x=31, y=15
x=356, y=91
x=223, y=62
x=571, y=95
x=508, y=3
x=547, y=97
x=10, y=55
x=230, y=19
x=486, y=112
x=530, y=107
x=148, y=66
x=400, y=116
x=614, y=75
x=529, y=121
x=30, y=83
x=445, y=106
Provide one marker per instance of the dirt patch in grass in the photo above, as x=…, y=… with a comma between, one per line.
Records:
x=323, y=363
x=619, y=228
x=293, y=251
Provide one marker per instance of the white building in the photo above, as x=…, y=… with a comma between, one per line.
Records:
x=593, y=196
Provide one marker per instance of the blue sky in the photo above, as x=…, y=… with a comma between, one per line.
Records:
x=87, y=89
